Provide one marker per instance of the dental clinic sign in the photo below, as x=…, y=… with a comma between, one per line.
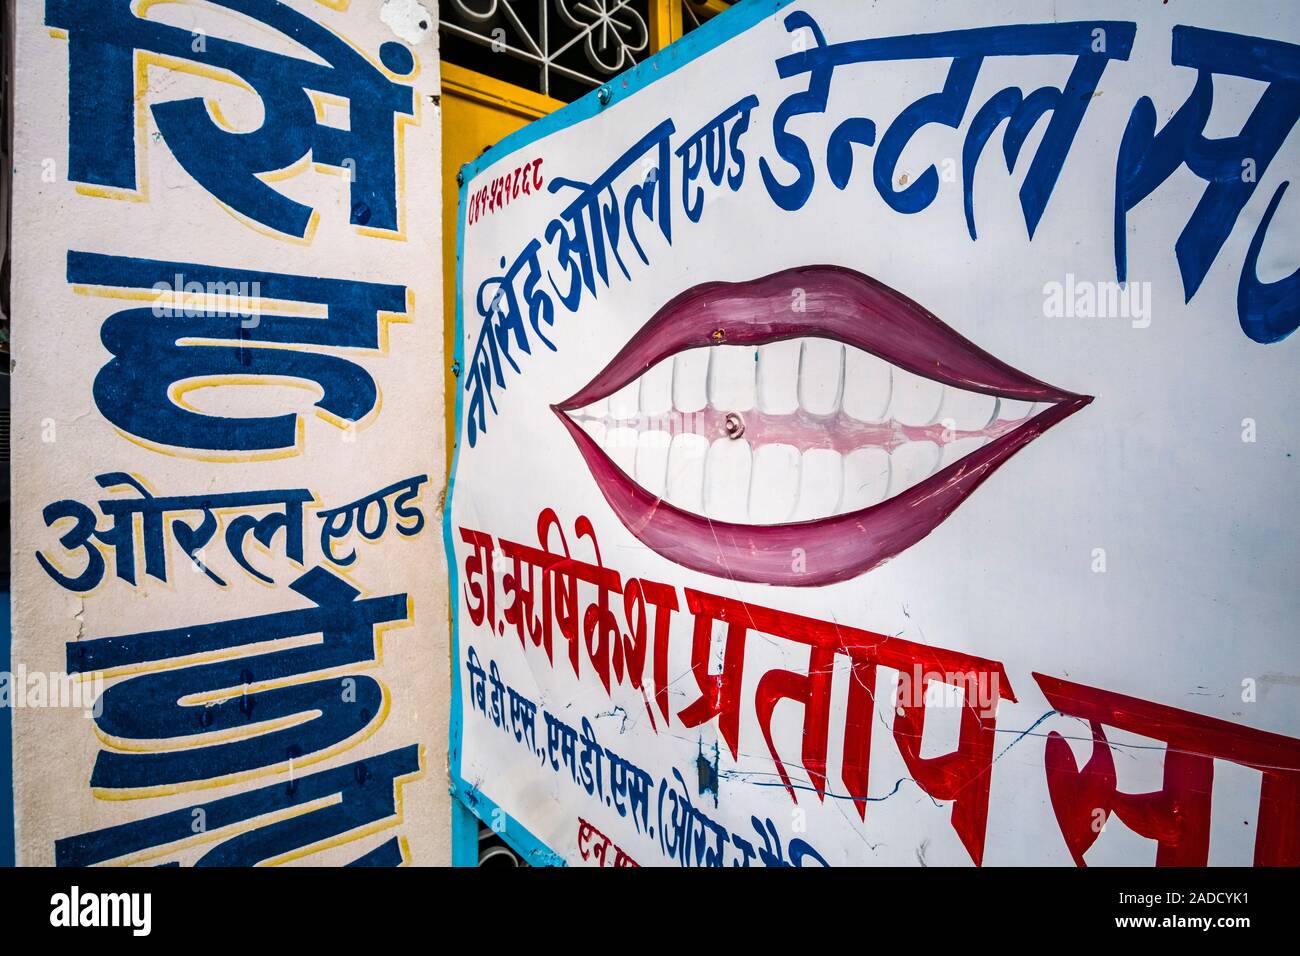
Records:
x=228, y=602
x=876, y=444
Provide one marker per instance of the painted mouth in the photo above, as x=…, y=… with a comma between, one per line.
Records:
x=801, y=428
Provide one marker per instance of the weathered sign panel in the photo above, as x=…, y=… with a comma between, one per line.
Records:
x=228, y=597
x=876, y=445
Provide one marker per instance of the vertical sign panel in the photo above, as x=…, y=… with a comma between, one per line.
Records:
x=228, y=455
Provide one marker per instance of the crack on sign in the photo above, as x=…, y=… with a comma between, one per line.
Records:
x=920, y=852
x=80, y=618
x=747, y=775
x=1021, y=735
x=619, y=713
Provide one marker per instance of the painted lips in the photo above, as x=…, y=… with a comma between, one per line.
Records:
x=926, y=369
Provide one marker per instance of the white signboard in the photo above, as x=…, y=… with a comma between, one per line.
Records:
x=227, y=466
x=876, y=445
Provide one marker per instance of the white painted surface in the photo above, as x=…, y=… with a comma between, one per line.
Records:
x=62, y=440
x=1141, y=547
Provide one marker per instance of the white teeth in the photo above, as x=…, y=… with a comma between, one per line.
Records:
x=957, y=450
x=620, y=445
x=732, y=373
x=866, y=478
x=690, y=372
x=671, y=455
x=821, y=376
x=911, y=462
x=726, y=480
x=1013, y=410
x=821, y=479
x=965, y=411
x=773, y=484
x=915, y=400
x=685, y=485
x=652, y=461
x=624, y=405
x=778, y=377
x=657, y=389
x=867, y=385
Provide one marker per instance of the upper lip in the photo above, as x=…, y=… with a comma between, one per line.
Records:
x=848, y=307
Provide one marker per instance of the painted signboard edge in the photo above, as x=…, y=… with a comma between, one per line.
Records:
x=709, y=36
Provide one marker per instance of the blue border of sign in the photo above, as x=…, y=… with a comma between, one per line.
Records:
x=711, y=35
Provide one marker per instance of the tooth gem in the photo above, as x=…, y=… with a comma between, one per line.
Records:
x=733, y=425
x=718, y=335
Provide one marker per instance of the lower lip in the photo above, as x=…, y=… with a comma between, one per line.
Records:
x=838, y=547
